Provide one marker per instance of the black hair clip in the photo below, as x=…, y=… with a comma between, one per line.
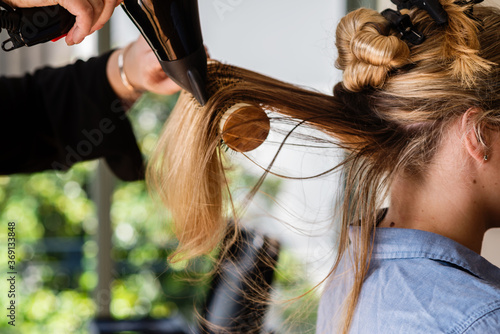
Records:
x=403, y=24
x=433, y=7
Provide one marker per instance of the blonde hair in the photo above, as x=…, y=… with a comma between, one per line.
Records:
x=388, y=113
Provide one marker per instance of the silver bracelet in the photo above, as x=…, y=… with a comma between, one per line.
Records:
x=123, y=76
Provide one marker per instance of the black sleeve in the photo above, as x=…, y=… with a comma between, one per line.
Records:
x=59, y=116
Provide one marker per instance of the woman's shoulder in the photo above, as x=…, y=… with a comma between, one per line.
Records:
x=447, y=285
x=420, y=283
x=421, y=295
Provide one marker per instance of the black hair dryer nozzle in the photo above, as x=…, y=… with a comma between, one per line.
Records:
x=172, y=29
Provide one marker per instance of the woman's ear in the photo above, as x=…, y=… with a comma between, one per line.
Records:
x=475, y=135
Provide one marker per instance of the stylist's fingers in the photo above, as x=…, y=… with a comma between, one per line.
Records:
x=109, y=7
x=85, y=13
x=167, y=87
x=158, y=82
x=149, y=75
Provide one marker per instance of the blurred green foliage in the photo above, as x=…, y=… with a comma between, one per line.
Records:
x=56, y=249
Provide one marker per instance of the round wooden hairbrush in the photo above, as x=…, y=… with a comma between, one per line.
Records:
x=244, y=127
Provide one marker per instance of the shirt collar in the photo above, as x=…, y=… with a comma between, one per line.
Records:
x=400, y=243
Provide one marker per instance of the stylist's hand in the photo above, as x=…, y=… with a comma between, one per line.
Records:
x=142, y=70
x=91, y=15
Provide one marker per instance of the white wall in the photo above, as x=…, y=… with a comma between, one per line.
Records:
x=288, y=39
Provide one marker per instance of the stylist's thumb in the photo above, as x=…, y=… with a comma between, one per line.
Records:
x=91, y=15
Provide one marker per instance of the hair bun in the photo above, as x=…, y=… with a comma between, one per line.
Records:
x=366, y=50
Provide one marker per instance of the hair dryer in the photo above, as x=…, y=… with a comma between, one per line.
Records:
x=171, y=27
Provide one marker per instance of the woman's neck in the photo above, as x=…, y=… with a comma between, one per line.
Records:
x=449, y=199
x=436, y=207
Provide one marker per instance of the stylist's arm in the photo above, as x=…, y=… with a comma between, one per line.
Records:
x=91, y=15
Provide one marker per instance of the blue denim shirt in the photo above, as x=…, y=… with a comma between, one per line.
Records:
x=418, y=282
